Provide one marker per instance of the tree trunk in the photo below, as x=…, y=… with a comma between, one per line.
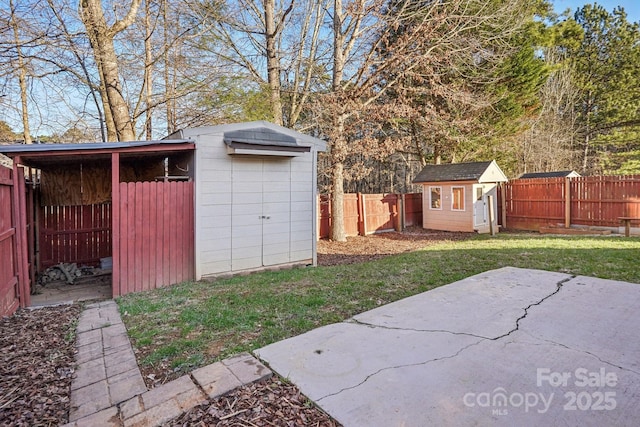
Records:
x=338, y=155
x=101, y=38
x=22, y=76
x=112, y=135
x=339, y=145
x=273, y=61
x=169, y=87
x=148, y=70
x=117, y=103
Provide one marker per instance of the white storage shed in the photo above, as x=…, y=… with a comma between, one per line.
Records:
x=255, y=197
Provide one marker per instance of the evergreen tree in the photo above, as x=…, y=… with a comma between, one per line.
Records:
x=606, y=68
x=462, y=105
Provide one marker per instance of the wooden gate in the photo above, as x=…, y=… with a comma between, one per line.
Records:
x=14, y=281
x=154, y=244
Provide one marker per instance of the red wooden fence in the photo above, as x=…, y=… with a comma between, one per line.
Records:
x=412, y=209
x=601, y=200
x=80, y=234
x=371, y=213
x=156, y=221
x=528, y=204
x=9, y=292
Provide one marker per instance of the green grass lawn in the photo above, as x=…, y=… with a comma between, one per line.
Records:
x=193, y=324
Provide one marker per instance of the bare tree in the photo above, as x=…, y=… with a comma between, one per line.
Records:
x=276, y=43
x=550, y=144
x=371, y=57
x=22, y=73
x=101, y=35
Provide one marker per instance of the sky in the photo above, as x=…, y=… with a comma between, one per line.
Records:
x=632, y=7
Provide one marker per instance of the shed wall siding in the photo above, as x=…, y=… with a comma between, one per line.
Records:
x=446, y=218
x=233, y=193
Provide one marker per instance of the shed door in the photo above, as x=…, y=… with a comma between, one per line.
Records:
x=261, y=212
x=480, y=206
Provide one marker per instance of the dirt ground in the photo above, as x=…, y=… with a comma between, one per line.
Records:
x=376, y=246
x=37, y=356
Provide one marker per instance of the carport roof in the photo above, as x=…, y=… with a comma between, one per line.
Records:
x=37, y=155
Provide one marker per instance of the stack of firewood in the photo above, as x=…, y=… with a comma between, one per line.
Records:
x=63, y=272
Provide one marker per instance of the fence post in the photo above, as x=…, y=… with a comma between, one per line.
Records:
x=403, y=212
x=362, y=215
x=115, y=224
x=567, y=202
x=503, y=199
x=492, y=229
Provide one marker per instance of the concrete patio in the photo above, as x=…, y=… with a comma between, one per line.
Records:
x=506, y=347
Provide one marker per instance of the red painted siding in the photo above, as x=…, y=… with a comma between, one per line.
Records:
x=155, y=235
x=9, y=294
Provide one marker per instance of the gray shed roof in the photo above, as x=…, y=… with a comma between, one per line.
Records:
x=459, y=172
x=256, y=133
x=555, y=174
x=263, y=138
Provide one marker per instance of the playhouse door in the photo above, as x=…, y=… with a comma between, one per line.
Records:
x=480, y=207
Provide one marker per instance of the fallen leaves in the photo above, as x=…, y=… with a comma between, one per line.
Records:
x=36, y=366
x=273, y=402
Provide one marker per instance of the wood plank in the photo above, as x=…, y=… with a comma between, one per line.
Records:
x=121, y=221
x=166, y=226
x=159, y=268
x=145, y=235
x=137, y=237
x=178, y=206
x=171, y=208
x=21, y=226
x=151, y=216
x=191, y=230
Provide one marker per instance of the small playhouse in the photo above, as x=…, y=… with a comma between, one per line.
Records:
x=460, y=196
x=201, y=202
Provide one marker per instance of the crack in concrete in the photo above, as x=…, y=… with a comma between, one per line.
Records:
x=526, y=309
x=481, y=339
x=394, y=328
x=595, y=356
x=399, y=367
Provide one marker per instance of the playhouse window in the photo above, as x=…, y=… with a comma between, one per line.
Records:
x=435, y=201
x=457, y=198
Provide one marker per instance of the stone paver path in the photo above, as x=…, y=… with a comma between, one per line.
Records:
x=108, y=389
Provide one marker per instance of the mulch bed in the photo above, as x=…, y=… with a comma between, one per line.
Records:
x=273, y=402
x=375, y=246
x=36, y=366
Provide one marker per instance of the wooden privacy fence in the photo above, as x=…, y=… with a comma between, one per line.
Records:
x=9, y=292
x=14, y=267
x=528, y=204
x=80, y=234
x=155, y=235
x=370, y=213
